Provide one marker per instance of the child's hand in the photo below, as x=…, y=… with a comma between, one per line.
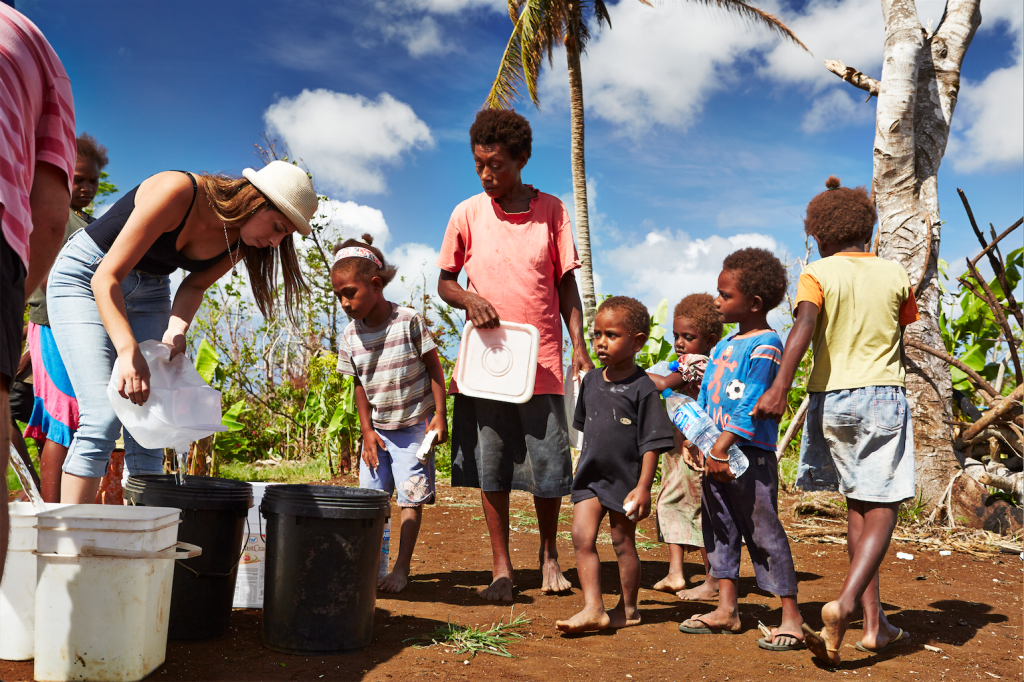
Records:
x=372, y=441
x=641, y=507
x=692, y=456
x=440, y=424
x=719, y=471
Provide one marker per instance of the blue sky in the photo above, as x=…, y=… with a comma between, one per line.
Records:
x=703, y=135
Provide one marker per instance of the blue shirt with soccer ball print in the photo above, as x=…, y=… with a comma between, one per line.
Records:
x=739, y=371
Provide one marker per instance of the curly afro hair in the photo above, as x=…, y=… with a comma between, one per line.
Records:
x=364, y=268
x=504, y=127
x=840, y=214
x=89, y=148
x=760, y=274
x=632, y=313
x=699, y=310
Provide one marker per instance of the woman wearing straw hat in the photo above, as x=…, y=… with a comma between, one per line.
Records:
x=109, y=289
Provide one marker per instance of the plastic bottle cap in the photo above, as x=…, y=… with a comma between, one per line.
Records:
x=674, y=365
x=667, y=392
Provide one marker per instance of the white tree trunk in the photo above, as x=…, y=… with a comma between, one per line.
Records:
x=579, y=184
x=916, y=98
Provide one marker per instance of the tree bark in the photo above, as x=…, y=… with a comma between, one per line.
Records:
x=916, y=98
x=579, y=172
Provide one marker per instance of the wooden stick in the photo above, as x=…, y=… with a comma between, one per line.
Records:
x=997, y=266
x=945, y=357
x=1004, y=406
x=794, y=426
x=1000, y=316
x=1011, y=228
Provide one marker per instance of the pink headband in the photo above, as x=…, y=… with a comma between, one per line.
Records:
x=357, y=252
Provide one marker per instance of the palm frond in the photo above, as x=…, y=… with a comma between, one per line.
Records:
x=520, y=63
x=754, y=16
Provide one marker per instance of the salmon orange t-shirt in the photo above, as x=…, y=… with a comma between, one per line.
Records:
x=516, y=261
x=862, y=302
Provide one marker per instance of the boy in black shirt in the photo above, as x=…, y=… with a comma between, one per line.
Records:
x=624, y=428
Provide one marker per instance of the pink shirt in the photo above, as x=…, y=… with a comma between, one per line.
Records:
x=37, y=121
x=516, y=261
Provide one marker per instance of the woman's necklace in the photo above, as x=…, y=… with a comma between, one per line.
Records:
x=231, y=254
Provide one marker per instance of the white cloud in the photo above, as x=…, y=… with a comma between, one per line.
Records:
x=671, y=264
x=657, y=66
x=344, y=139
x=834, y=109
x=349, y=220
x=421, y=37
x=412, y=23
x=989, y=119
x=455, y=6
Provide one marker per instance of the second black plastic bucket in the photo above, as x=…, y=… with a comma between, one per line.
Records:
x=213, y=512
x=323, y=554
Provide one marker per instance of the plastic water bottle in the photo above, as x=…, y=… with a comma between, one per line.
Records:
x=700, y=429
x=664, y=368
x=385, y=550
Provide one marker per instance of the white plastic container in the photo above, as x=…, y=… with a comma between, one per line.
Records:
x=103, y=594
x=498, y=364
x=572, y=394
x=253, y=566
x=18, y=589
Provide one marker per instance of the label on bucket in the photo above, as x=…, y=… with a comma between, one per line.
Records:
x=251, y=570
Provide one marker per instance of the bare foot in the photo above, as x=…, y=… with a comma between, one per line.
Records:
x=499, y=590
x=554, y=581
x=585, y=621
x=825, y=644
x=702, y=592
x=886, y=633
x=620, y=618
x=786, y=637
x=394, y=582
x=673, y=582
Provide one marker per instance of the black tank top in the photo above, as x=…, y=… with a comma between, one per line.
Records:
x=162, y=258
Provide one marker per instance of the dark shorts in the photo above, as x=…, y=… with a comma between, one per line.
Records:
x=500, y=447
x=12, y=307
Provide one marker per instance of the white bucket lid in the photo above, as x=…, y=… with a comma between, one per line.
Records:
x=23, y=514
x=498, y=364
x=107, y=517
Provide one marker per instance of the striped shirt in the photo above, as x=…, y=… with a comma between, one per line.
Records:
x=37, y=121
x=388, y=360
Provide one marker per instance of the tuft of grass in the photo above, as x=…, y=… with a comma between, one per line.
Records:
x=308, y=471
x=473, y=640
x=787, y=468
x=912, y=512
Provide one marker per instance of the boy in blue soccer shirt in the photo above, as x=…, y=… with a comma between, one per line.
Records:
x=745, y=509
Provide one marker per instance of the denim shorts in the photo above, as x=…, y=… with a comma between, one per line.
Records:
x=398, y=469
x=860, y=442
x=89, y=354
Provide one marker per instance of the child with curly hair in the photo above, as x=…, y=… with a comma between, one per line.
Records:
x=746, y=509
x=857, y=435
x=400, y=391
x=624, y=428
x=696, y=330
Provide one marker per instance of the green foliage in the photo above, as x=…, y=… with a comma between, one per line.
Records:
x=474, y=640
x=970, y=331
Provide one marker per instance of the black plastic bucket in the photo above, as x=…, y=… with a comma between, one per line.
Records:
x=213, y=512
x=323, y=554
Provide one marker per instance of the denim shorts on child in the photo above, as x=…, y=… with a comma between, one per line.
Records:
x=398, y=469
x=860, y=442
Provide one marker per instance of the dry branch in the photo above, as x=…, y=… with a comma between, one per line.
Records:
x=1000, y=316
x=993, y=259
x=853, y=76
x=794, y=426
x=998, y=410
x=945, y=357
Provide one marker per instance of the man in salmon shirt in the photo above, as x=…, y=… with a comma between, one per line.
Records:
x=516, y=246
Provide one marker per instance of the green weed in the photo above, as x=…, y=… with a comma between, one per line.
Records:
x=472, y=640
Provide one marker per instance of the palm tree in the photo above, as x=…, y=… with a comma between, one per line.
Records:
x=538, y=27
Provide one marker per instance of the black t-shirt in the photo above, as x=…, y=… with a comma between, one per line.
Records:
x=620, y=422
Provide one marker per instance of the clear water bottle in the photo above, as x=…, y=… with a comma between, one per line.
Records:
x=664, y=368
x=385, y=550
x=700, y=429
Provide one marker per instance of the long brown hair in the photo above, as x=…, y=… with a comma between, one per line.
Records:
x=234, y=201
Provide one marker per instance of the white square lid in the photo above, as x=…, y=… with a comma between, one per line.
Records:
x=498, y=364
x=107, y=517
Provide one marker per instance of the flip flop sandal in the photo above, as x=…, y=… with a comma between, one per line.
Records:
x=706, y=630
x=903, y=636
x=813, y=640
x=768, y=642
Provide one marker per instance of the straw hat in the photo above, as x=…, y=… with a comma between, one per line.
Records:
x=289, y=189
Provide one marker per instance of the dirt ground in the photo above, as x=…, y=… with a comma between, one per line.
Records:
x=969, y=608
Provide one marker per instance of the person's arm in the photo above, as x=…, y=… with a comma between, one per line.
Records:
x=160, y=203
x=371, y=439
x=440, y=421
x=717, y=470
x=478, y=309
x=187, y=300
x=50, y=203
x=641, y=494
x=773, y=402
x=672, y=381
x=571, y=308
